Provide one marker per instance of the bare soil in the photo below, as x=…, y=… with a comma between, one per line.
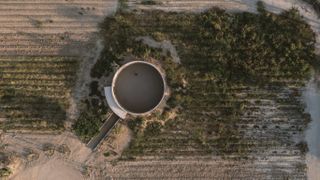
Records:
x=52, y=28
x=50, y=170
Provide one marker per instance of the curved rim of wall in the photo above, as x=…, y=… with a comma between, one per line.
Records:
x=119, y=71
x=113, y=105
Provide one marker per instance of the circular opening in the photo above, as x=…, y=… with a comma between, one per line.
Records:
x=138, y=87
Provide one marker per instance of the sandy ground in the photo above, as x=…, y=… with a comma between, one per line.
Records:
x=312, y=100
x=52, y=169
x=313, y=167
x=79, y=162
x=81, y=89
x=118, y=141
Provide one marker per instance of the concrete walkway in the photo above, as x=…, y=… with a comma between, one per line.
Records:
x=104, y=131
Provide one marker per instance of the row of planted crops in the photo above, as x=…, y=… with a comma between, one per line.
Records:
x=42, y=45
x=236, y=93
x=34, y=91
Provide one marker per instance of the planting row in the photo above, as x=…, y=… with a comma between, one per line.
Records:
x=35, y=91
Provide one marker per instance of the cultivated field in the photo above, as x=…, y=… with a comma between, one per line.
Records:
x=275, y=6
x=222, y=130
x=35, y=91
x=258, y=128
x=43, y=44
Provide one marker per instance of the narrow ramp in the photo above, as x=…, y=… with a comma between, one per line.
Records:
x=104, y=131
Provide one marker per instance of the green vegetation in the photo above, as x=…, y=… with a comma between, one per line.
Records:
x=229, y=62
x=247, y=46
x=303, y=146
x=123, y=5
x=93, y=114
x=5, y=172
x=106, y=154
x=88, y=124
x=261, y=7
x=149, y=2
x=136, y=124
x=63, y=148
x=34, y=91
x=153, y=128
x=37, y=23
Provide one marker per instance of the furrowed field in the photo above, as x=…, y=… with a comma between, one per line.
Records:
x=34, y=91
x=235, y=96
x=45, y=48
x=43, y=43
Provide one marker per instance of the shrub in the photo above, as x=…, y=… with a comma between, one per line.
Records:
x=5, y=172
x=87, y=125
x=153, y=128
x=106, y=154
x=261, y=7
x=135, y=125
x=148, y=2
x=220, y=53
x=303, y=146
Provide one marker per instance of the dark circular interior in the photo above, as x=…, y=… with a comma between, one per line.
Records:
x=138, y=88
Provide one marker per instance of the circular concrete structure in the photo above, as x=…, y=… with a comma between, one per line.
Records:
x=138, y=87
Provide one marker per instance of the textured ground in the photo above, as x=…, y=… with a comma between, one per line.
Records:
x=234, y=6
x=61, y=28
x=278, y=162
x=50, y=27
x=43, y=43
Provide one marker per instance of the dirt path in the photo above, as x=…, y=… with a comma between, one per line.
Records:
x=49, y=163
x=52, y=169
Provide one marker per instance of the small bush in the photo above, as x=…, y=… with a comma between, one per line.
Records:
x=261, y=7
x=303, y=147
x=106, y=154
x=87, y=126
x=5, y=172
x=37, y=23
x=153, y=128
x=135, y=124
x=149, y=2
x=64, y=149
x=94, y=89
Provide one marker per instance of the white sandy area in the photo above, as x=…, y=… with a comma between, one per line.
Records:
x=53, y=169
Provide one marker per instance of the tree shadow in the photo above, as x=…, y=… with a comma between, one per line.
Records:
x=80, y=46
x=19, y=109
